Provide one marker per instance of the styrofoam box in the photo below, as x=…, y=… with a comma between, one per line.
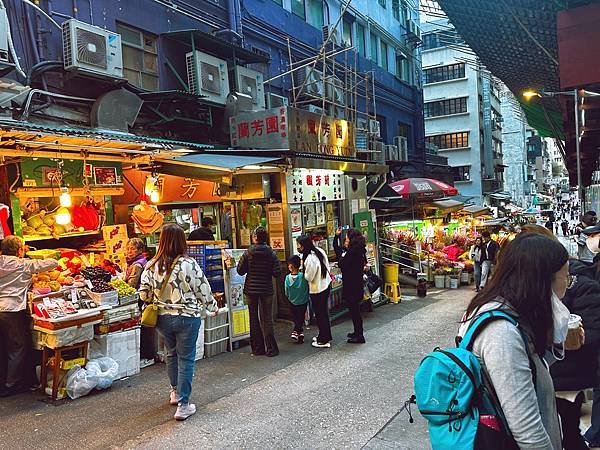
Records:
x=63, y=337
x=121, y=313
x=123, y=347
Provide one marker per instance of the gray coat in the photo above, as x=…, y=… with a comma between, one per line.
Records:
x=530, y=410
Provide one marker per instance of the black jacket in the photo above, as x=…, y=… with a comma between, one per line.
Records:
x=489, y=251
x=578, y=369
x=351, y=262
x=260, y=264
x=201, y=234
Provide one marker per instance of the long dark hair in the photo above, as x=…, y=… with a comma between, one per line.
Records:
x=523, y=278
x=357, y=240
x=171, y=245
x=308, y=246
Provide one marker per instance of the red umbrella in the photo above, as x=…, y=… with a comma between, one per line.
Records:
x=422, y=189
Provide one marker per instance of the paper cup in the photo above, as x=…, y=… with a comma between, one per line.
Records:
x=573, y=340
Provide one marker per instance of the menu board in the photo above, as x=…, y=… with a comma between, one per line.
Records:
x=234, y=286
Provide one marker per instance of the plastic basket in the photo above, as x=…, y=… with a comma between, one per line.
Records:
x=110, y=298
x=214, y=348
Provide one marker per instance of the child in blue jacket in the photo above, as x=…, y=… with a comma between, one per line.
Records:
x=296, y=289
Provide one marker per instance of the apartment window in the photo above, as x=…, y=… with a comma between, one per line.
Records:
x=315, y=13
x=374, y=48
x=381, y=2
x=140, y=57
x=298, y=8
x=347, y=33
x=449, y=140
x=445, y=107
x=362, y=40
x=396, y=9
x=444, y=73
x=464, y=173
x=399, y=60
x=384, y=55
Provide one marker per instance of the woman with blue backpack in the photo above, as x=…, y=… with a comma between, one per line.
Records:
x=495, y=391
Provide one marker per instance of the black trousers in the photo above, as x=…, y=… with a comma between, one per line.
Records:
x=353, y=302
x=298, y=314
x=262, y=335
x=321, y=307
x=15, y=333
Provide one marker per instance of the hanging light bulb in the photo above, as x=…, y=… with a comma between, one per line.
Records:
x=150, y=185
x=155, y=196
x=63, y=216
x=65, y=198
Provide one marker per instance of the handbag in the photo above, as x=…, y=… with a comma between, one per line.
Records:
x=150, y=312
x=374, y=282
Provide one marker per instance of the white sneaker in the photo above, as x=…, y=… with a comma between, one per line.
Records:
x=185, y=411
x=321, y=345
x=314, y=339
x=173, y=398
x=146, y=363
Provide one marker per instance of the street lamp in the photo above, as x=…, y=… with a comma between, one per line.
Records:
x=529, y=94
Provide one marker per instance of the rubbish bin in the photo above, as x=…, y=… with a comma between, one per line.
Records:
x=391, y=273
x=421, y=284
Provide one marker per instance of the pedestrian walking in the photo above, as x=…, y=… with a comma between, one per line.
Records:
x=260, y=264
x=352, y=260
x=489, y=252
x=583, y=252
x=475, y=254
x=296, y=290
x=16, y=273
x=177, y=284
x=531, y=269
x=565, y=227
x=316, y=272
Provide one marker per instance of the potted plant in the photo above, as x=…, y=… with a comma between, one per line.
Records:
x=439, y=276
x=454, y=277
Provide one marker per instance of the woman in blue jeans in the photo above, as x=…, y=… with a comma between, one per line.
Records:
x=182, y=302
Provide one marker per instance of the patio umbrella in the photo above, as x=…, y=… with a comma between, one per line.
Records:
x=422, y=189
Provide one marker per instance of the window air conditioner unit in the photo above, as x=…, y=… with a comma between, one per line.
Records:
x=376, y=146
x=401, y=142
x=335, y=111
x=329, y=30
x=207, y=76
x=250, y=82
x=375, y=128
x=315, y=109
x=92, y=50
x=335, y=91
x=276, y=101
x=391, y=153
x=312, y=81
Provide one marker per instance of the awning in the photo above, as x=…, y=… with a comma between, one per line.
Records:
x=218, y=167
x=346, y=165
x=495, y=222
x=476, y=211
x=445, y=206
x=500, y=196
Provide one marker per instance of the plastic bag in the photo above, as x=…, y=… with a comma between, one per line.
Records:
x=80, y=382
x=106, y=369
x=98, y=373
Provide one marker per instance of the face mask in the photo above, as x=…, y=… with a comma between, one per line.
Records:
x=593, y=243
x=560, y=319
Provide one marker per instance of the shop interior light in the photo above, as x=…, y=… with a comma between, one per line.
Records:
x=65, y=198
x=155, y=196
x=150, y=185
x=63, y=216
x=529, y=94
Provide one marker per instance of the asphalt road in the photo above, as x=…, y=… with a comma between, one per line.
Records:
x=342, y=397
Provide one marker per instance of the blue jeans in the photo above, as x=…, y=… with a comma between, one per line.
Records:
x=477, y=271
x=180, y=334
x=592, y=435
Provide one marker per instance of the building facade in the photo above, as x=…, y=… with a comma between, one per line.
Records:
x=265, y=36
x=462, y=112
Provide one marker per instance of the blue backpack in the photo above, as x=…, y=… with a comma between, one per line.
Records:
x=457, y=398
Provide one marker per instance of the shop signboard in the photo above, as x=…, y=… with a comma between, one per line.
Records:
x=298, y=130
x=43, y=172
x=276, y=230
x=296, y=220
x=315, y=185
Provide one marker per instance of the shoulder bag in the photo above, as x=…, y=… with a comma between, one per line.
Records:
x=150, y=312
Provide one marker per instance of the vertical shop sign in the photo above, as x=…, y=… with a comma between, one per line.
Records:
x=276, y=231
x=296, y=220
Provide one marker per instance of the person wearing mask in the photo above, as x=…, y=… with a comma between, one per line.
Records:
x=581, y=368
x=16, y=273
x=182, y=304
x=583, y=252
x=260, y=265
x=316, y=272
x=531, y=271
x=489, y=251
x=475, y=254
x=204, y=233
x=352, y=260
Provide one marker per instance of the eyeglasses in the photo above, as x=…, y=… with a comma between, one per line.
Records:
x=571, y=280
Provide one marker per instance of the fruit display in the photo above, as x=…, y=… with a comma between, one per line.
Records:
x=100, y=286
x=122, y=288
x=96, y=273
x=43, y=254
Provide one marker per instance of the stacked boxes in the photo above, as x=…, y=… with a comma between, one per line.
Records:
x=210, y=260
x=216, y=333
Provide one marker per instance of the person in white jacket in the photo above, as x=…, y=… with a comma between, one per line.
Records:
x=316, y=272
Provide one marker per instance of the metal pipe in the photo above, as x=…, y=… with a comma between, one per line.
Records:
x=91, y=12
x=231, y=14
x=44, y=13
x=25, y=114
x=238, y=18
x=577, y=154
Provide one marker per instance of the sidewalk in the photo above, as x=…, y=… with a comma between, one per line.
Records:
x=238, y=395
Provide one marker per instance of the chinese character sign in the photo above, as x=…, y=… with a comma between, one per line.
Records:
x=315, y=185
